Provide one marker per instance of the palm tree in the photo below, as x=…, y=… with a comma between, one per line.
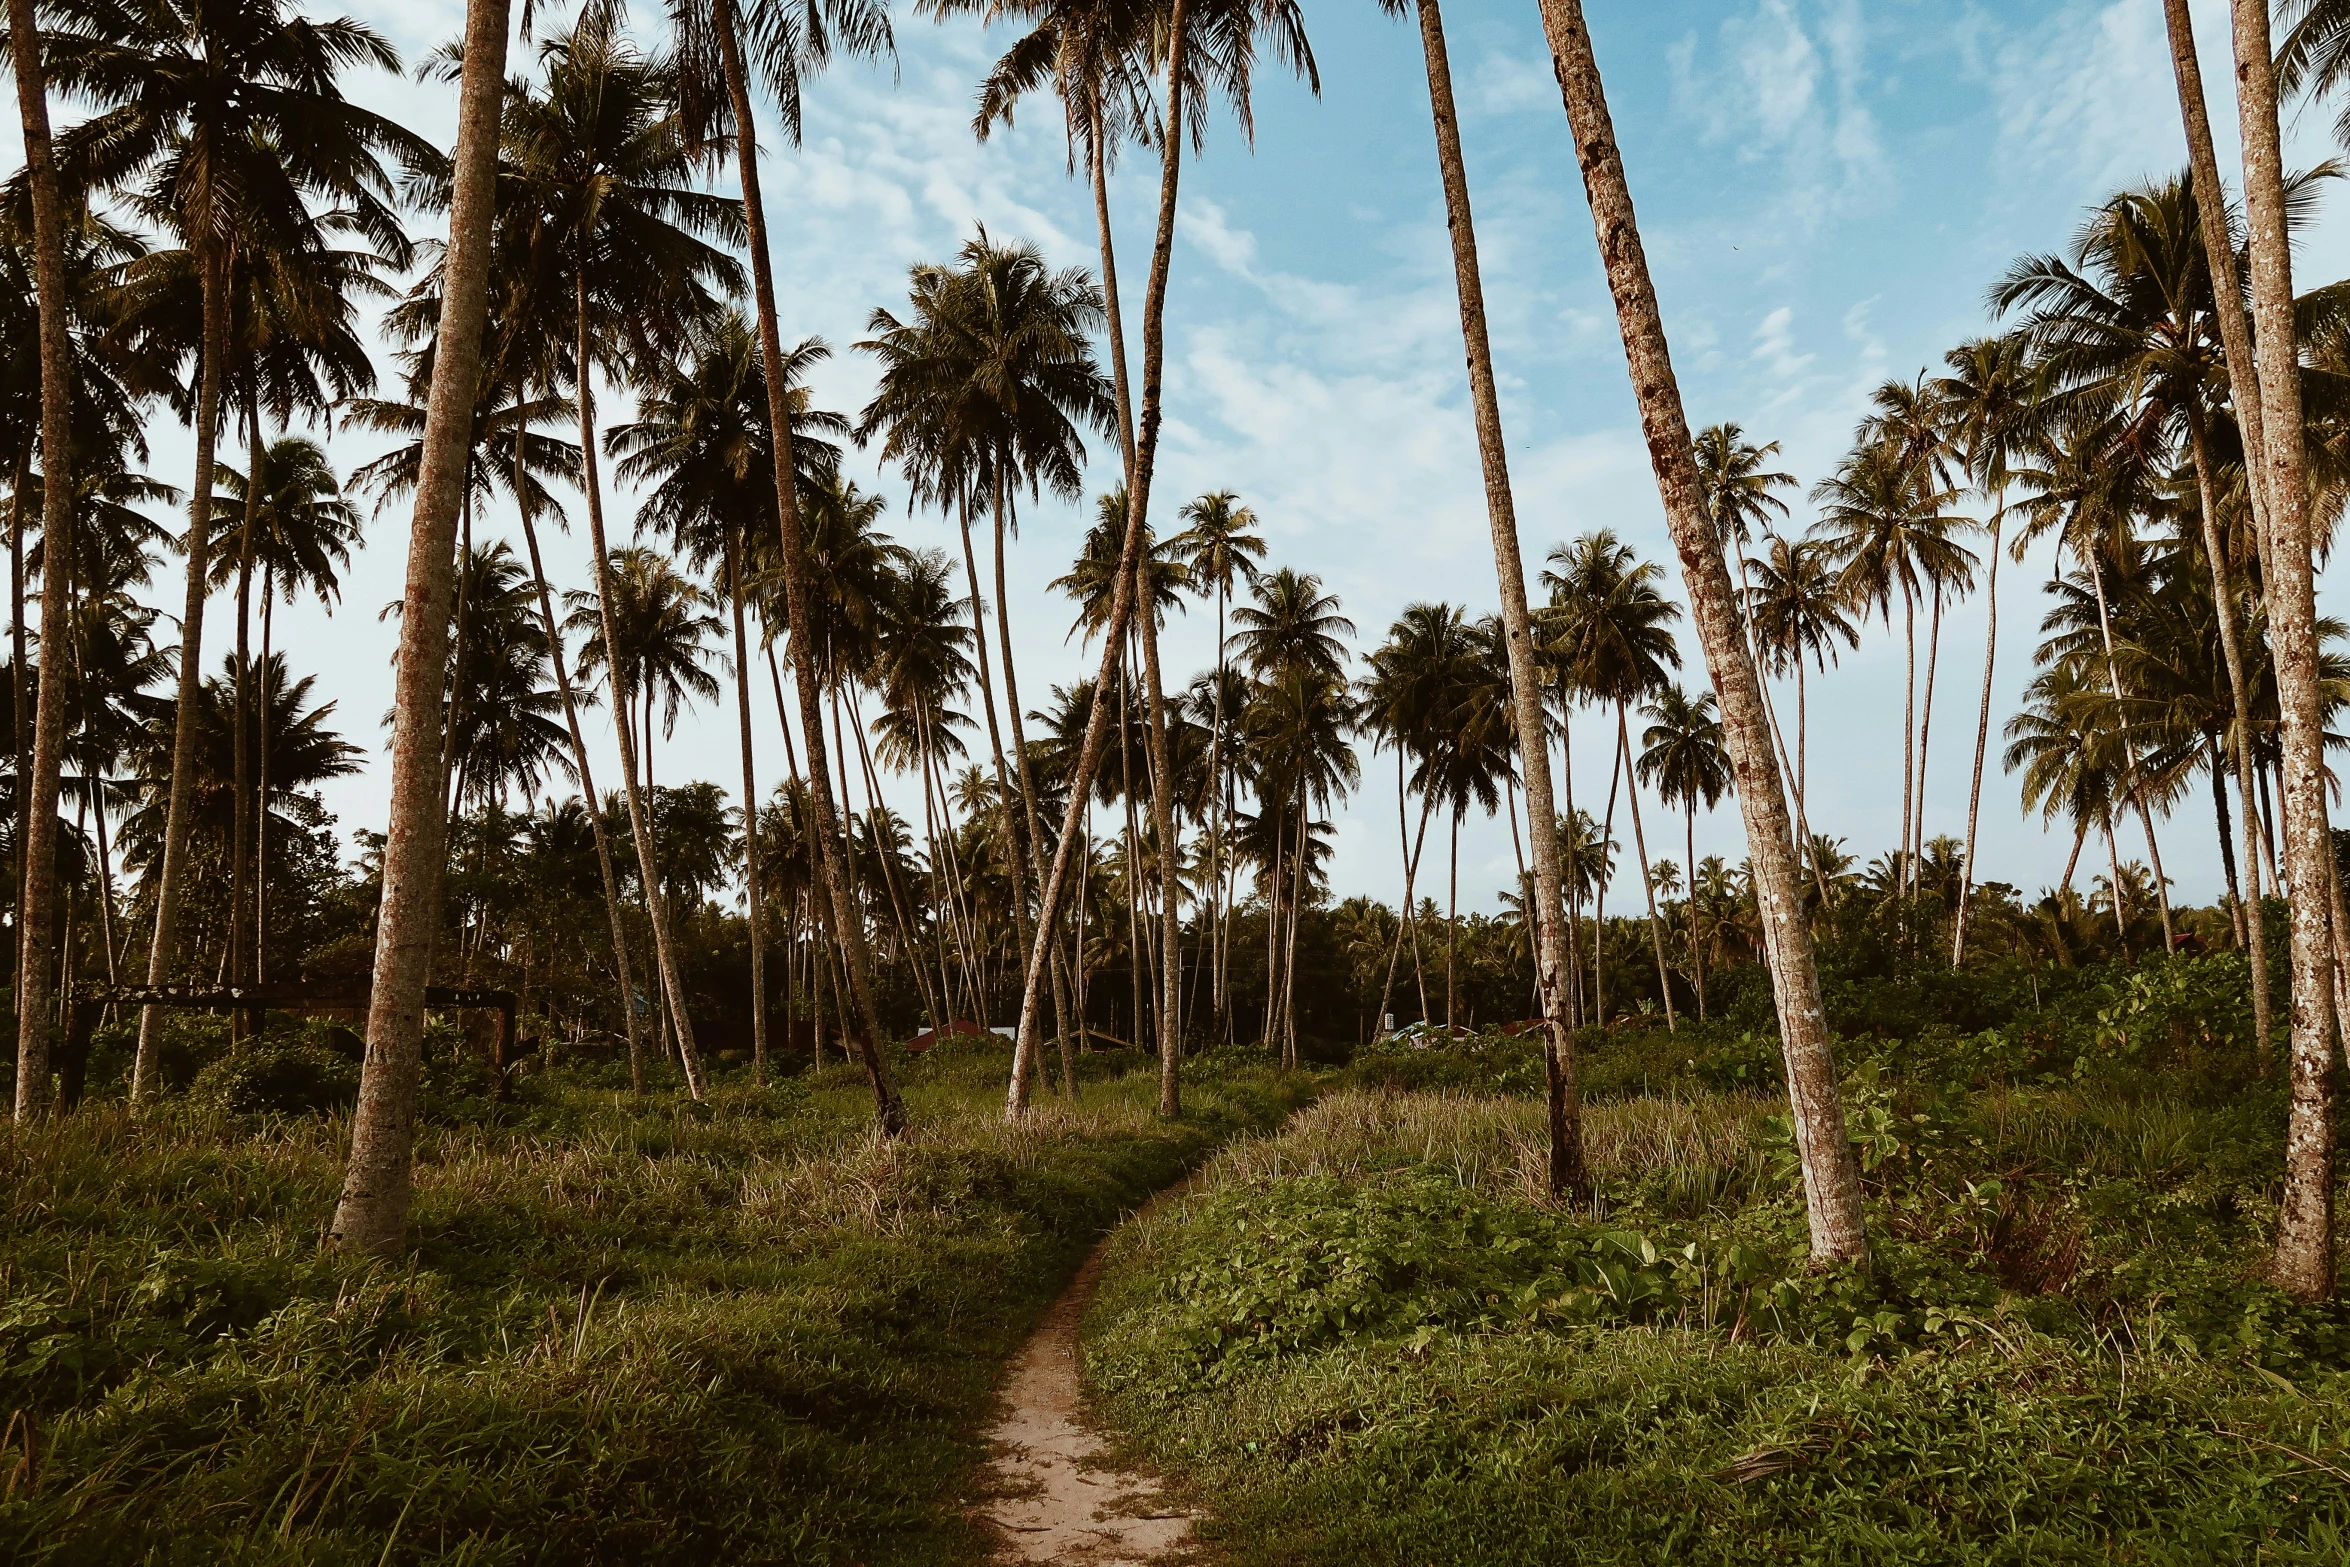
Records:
x=38, y=793
x=1412, y=680
x=1884, y=523
x=1218, y=551
x=1991, y=398
x=1525, y=684
x=986, y=389
x=301, y=536
x=1831, y=1173
x=601, y=156
x=2303, y=1261
x=1796, y=609
x=226, y=125
x=373, y=1208
x=788, y=39
x=1683, y=758
x=702, y=438
x=1609, y=635
x=1229, y=33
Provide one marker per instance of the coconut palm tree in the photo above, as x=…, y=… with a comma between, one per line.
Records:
x=1884, y=523
x=701, y=442
x=1228, y=35
x=1218, y=550
x=2303, y=1260
x=1682, y=758
x=1991, y=400
x=986, y=388
x=372, y=1211
x=1413, y=679
x=227, y=126
x=601, y=156
x=1796, y=608
x=719, y=44
x=1831, y=1172
x=300, y=536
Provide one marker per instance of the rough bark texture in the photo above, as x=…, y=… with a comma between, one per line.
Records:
x=2219, y=256
x=1567, y=1169
x=640, y=815
x=1831, y=1173
x=798, y=591
x=2304, y=1258
x=374, y=1206
x=1138, y=487
x=37, y=915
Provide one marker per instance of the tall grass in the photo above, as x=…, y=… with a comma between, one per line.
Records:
x=663, y=1332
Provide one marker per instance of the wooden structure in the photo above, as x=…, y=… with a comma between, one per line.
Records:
x=86, y=1002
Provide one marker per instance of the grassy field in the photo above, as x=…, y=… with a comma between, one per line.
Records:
x=1374, y=1340
x=742, y=1332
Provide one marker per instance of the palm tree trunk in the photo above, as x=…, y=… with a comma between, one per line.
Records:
x=1567, y=1170
x=1216, y=906
x=1015, y=863
x=163, y=947
x=2227, y=842
x=1696, y=955
x=1031, y=840
x=1926, y=724
x=1974, y=799
x=372, y=1212
x=1906, y=881
x=1618, y=761
x=1831, y=1173
x=2223, y=598
x=2304, y=1251
x=261, y=785
x=1162, y=770
x=751, y=862
x=2113, y=865
x=2137, y=791
x=1297, y=904
x=19, y=664
x=639, y=813
x=1129, y=557
x=38, y=790
x=241, y=724
x=798, y=585
x=1452, y=921
x=595, y=811
x=1656, y=936
x=1411, y=865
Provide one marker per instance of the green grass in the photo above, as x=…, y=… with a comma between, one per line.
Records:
x=1373, y=1339
x=746, y=1332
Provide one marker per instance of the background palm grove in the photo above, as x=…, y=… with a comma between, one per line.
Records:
x=831, y=1061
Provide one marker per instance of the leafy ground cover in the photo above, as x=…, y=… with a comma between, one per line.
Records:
x=746, y=1332
x=1374, y=1338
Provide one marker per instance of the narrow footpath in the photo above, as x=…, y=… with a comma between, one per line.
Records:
x=1052, y=1501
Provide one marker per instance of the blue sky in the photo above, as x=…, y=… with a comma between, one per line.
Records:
x=1826, y=189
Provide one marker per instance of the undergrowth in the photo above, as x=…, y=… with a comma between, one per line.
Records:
x=750, y=1331
x=1376, y=1338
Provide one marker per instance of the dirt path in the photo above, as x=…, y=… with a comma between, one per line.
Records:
x=1053, y=1501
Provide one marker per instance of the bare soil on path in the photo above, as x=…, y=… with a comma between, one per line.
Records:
x=1053, y=1497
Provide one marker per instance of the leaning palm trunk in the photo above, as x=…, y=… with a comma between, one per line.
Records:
x=1567, y=1170
x=1831, y=1173
x=163, y=947
x=373, y=1210
x=2303, y=1260
x=2219, y=251
x=1089, y=754
x=595, y=814
x=1030, y=841
x=241, y=724
x=38, y=801
x=640, y=819
x=1974, y=799
x=2137, y=790
x=799, y=588
x=751, y=888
